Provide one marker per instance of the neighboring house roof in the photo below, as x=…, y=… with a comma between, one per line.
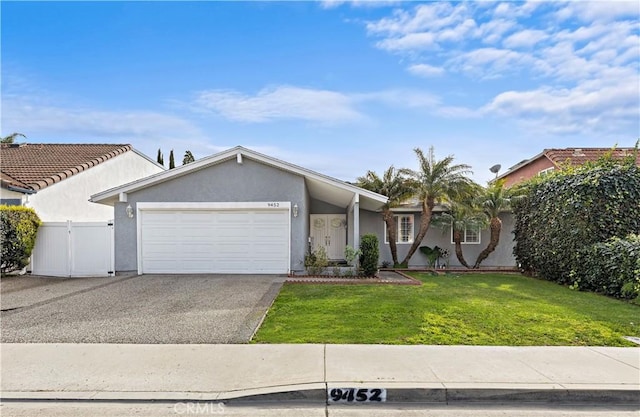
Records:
x=322, y=187
x=37, y=166
x=573, y=156
x=12, y=184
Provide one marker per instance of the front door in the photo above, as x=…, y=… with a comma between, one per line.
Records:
x=330, y=232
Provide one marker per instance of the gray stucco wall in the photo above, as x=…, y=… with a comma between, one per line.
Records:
x=371, y=222
x=225, y=182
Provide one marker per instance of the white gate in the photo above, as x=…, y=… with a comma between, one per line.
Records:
x=74, y=250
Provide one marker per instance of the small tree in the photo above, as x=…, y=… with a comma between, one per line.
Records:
x=18, y=229
x=10, y=138
x=188, y=158
x=370, y=255
x=494, y=200
x=458, y=217
x=172, y=161
x=160, y=157
x=394, y=185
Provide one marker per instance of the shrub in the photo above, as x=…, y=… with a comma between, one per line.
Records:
x=611, y=267
x=567, y=213
x=18, y=229
x=370, y=254
x=315, y=262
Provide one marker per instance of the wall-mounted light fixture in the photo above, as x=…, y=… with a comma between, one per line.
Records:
x=295, y=210
x=129, y=211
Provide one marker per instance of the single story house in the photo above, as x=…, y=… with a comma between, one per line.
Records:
x=56, y=180
x=240, y=211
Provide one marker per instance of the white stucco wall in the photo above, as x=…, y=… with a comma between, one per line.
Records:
x=69, y=199
x=10, y=195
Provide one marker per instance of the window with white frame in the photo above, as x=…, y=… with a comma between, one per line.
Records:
x=404, y=229
x=470, y=236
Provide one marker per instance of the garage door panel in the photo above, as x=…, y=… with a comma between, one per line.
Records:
x=215, y=241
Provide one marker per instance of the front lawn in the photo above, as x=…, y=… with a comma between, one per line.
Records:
x=478, y=309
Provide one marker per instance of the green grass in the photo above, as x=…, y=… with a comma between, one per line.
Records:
x=478, y=309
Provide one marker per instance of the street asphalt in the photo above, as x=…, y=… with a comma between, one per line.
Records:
x=143, y=309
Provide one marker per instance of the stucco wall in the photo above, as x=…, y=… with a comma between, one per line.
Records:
x=225, y=182
x=69, y=199
x=502, y=257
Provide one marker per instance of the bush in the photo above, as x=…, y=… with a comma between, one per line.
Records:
x=18, y=229
x=370, y=254
x=316, y=262
x=611, y=268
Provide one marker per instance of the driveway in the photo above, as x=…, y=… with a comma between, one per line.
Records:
x=135, y=309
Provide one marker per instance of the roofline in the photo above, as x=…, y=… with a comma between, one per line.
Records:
x=148, y=158
x=21, y=190
x=222, y=156
x=522, y=164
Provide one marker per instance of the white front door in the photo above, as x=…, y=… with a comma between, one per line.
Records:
x=330, y=232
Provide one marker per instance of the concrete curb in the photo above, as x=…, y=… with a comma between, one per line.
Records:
x=317, y=394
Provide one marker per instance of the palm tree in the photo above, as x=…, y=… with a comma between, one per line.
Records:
x=459, y=217
x=188, y=158
x=494, y=200
x=395, y=185
x=437, y=181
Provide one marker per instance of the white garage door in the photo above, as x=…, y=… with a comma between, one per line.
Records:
x=236, y=241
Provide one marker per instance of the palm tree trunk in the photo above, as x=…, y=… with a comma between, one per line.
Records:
x=425, y=220
x=495, y=226
x=390, y=221
x=457, y=239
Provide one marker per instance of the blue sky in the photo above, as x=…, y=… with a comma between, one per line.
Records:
x=337, y=87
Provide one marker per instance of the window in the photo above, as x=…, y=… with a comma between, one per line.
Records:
x=546, y=171
x=470, y=236
x=404, y=231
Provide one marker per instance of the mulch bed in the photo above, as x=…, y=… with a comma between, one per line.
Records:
x=383, y=277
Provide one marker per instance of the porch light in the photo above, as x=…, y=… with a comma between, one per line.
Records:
x=295, y=210
x=129, y=211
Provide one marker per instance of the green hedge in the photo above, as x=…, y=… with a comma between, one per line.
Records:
x=370, y=254
x=18, y=229
x=612, y=267
x=566, y=214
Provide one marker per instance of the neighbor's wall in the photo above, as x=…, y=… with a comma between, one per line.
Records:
x=12, y=198
x=528, y=171
x=225, y=182
x=371, y=222
x=69, y=199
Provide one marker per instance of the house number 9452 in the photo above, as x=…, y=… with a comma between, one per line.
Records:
x=357, y=395
x=273, y=204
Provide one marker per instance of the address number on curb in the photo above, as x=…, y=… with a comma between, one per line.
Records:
x=357, y=395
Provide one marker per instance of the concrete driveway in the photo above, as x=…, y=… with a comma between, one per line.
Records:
x=135, y=309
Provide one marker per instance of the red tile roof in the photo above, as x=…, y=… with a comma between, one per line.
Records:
x=39, y=165
x=577, y=156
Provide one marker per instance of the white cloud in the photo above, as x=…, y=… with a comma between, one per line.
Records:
x=589, y=11
x=425, y=70
x=590, y=106
x=400, y=98
x=490, y=62
x=412, y=41
x=525, y=38
x=279, y=103
x=32, y=116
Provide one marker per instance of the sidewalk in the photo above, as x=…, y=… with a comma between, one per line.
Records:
x=435, y=374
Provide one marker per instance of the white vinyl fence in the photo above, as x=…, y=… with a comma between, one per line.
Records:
x=68, y=249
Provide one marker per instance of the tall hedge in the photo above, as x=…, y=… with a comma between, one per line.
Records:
x=564, y=215
x=18, y=229
x=370, y=254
